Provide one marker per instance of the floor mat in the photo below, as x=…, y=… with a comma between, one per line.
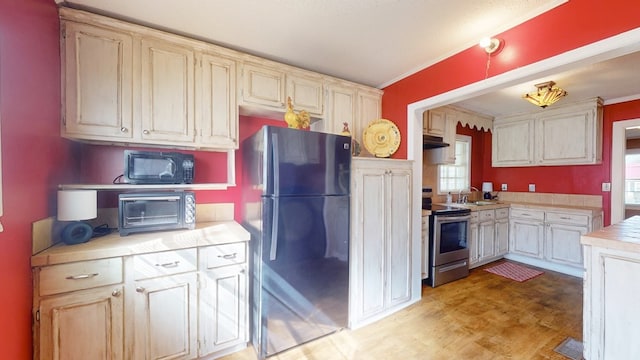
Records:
x=570, y=348
x=514, y=271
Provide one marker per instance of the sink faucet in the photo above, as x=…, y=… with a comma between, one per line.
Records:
x=462, y=198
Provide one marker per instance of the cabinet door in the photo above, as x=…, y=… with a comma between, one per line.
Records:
x=165, y=317
x=167, y=98
x=263, y=86
x=512, y=143
x=86, y=324
x=340, y=109
x=474, y=244
x=526, y=237
x=223, y=309
x=369, y=229
x=566, y=138
x=502, y=236
x=306, y=92
x=563, y=244
x=398, y=222
x=97, y=79
x=445, y=155
x=487, y=239
x=434, y=122
x=368, y=109
x=218, y=109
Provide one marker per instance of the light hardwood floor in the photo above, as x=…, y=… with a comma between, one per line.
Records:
x=483, y=316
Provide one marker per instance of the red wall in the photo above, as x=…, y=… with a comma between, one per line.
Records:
x=34, y=158
x=579, y=23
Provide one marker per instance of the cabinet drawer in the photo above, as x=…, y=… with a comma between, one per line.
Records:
x=57, y=279
x=567, y=218
x=164, y=263
x=223, y=255
x=485, y=215
x=527, y=214
x=502, y=213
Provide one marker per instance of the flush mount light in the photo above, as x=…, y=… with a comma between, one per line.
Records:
x=546, y=94
x=490, y=45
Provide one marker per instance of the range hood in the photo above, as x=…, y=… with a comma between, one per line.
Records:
x=432, y=142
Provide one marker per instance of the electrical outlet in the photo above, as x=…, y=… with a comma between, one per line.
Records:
x=503, y=187
x=606, y=186
x=532, y=187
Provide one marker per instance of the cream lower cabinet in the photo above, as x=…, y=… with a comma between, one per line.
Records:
x=550, y=238
x=489, y=236
x=381, y=239
x=179, y=304
x=223, y=299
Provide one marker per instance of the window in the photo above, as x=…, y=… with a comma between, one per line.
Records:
x=632, y=177
x=455, y=177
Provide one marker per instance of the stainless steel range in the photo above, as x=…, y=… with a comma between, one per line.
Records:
x=449, y=233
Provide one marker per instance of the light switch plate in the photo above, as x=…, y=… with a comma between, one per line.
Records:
x=532, y=187
x=606, y=186
x=503, y=187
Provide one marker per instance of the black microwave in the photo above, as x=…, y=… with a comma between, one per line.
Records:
x=156, y=211
x=154, y=167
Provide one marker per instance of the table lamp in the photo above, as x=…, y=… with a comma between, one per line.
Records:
x=75, y=206
x=487, y=188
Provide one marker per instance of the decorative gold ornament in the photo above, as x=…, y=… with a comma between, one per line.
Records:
x=381, y=138
x=302, y=120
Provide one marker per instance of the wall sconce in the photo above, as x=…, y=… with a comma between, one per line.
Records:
x=490, y=45
x=546, y=94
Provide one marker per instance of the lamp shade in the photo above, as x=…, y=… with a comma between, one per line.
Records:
x=487, y=186
x=74, y=205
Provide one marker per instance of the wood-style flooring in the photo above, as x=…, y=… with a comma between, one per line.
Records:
x=483, y=316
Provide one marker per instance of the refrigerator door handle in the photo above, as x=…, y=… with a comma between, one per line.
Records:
x=276, y=164
x=273, y=252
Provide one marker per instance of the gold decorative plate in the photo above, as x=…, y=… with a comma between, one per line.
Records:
x=381, y=138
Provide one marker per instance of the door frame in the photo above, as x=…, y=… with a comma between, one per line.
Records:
x=618, y=151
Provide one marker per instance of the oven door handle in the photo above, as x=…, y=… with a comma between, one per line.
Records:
x=452, y=218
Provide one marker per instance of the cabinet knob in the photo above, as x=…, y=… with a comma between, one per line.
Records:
x=116, y=293
x=146, y=132
x=124, y=129
x=140, y=289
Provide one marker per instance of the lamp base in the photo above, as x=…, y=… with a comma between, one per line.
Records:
x=77, y=232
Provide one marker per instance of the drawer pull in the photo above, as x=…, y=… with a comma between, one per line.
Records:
x=169, y=264
x=565, y=218
x=228, y=256
x=140, y=289
x=116, y=293
x=82, y=276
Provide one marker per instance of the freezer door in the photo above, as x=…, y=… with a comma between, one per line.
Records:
x=305, y=270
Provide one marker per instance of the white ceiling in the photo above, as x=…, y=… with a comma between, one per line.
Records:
x=372, y=42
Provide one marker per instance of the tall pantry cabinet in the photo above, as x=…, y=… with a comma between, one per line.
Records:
x=381, y=238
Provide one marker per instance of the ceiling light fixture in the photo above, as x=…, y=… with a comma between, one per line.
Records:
x=490, y=45
x=546, y=94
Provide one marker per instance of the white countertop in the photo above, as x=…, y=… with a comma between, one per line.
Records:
x=503, y=204
x=113, y=245
x=623, y=236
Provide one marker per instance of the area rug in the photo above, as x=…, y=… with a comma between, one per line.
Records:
x=514, y=271
x=570, y=348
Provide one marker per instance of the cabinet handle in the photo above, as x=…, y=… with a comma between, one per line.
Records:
x=82, y=276
x=169, y=264
x=146, y=132
x=140, y=289
x=228, y=256
x=124, y=129
x=116, y=293
x=565, y=218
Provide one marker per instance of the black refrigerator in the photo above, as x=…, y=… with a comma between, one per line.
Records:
x=296, y=206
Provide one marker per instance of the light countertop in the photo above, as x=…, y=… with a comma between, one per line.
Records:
x=113, y=245
x=593, y=211
x=623, y=236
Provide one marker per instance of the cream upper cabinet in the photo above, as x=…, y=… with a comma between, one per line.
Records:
x=306, y=92
x=129, y=84
x=167, y=92
x=513, y=143
x=380, y=275
x=217, y=110
x=562, y=135
x=341, y=108
x=369, y=108
x=263, y=85
x=97, y=81
x=441, y=122
x=433, y=122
